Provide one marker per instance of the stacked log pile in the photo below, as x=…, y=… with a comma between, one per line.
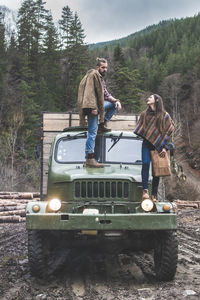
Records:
x=185, y=203
x=12, y=206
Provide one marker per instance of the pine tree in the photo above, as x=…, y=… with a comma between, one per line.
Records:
x=50, y=84
x=39, y=26
x=78, y=64
x=50, y=39
x=125, y=83
x=25, y=23
x=32, y=20
x=75, y=62
x=31, y=26
x=2, y=38
x=2, y=69
x=65, y=25
x=118, y=56
x=76, y=32
x=126, y=86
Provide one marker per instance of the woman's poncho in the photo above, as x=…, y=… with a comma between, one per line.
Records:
x=150, y=132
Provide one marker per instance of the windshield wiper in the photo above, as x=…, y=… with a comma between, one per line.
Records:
x=71, y=137
x=116, y=141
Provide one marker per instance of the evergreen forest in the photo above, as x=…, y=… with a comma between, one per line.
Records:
x=42, y=63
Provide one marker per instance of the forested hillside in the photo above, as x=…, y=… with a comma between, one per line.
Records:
x=42, y=63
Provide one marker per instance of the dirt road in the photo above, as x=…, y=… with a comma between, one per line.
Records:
x=110, y=278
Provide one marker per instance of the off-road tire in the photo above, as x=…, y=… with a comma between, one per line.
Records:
x=166, y=255
x=36, y=257
x=44, y=257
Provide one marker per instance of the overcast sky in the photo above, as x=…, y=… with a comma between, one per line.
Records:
x=105, y=20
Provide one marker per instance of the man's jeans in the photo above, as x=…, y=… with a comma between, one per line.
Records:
x=92, y=132
x=109, y=111
x=146, y=159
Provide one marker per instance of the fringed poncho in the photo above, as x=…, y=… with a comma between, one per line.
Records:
x=151, y=133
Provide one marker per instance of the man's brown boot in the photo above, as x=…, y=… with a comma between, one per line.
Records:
x=102, y=128
x=91, y=162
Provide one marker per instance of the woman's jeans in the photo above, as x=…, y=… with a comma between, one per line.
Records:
x=109, y=111
x=146, y=159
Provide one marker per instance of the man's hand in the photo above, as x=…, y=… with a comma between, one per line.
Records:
x=163, y=153
x=94, y=112
x=118, y=105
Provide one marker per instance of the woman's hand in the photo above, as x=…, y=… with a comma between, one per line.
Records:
x=94, y=112
x=163, y=153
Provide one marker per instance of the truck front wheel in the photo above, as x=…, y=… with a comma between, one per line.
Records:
x=43, y=253
x=166, y=255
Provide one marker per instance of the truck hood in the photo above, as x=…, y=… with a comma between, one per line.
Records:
x=69, y=173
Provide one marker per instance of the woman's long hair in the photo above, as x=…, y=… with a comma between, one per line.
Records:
x=159, y=113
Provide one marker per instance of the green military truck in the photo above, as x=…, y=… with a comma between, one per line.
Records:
x=96, y=208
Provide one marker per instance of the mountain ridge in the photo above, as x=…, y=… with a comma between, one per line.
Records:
x=130, y=36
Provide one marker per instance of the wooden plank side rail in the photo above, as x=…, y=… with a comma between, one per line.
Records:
x=58, y=121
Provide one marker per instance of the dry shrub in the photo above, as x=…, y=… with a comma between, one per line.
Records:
x=24, y=177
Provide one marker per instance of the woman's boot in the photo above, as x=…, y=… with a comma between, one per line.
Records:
x=153, y=198
x=145, y=195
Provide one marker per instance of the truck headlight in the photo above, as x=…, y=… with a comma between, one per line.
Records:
x=54, y=204
x=167, y=207
x=147, y=205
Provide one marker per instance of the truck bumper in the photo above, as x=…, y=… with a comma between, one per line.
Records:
x=139, y=221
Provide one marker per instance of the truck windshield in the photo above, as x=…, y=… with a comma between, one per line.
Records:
x=126, y=150
x=70, y=150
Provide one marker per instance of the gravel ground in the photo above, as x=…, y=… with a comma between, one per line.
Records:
x=110, y=277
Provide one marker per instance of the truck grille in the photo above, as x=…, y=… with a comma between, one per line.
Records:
x=101, y=189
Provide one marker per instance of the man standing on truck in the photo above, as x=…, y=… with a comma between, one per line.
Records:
x=94, y=99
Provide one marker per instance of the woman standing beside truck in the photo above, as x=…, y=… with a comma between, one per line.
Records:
x=155, y=126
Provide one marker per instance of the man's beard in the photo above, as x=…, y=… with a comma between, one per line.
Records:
x=102, y=73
